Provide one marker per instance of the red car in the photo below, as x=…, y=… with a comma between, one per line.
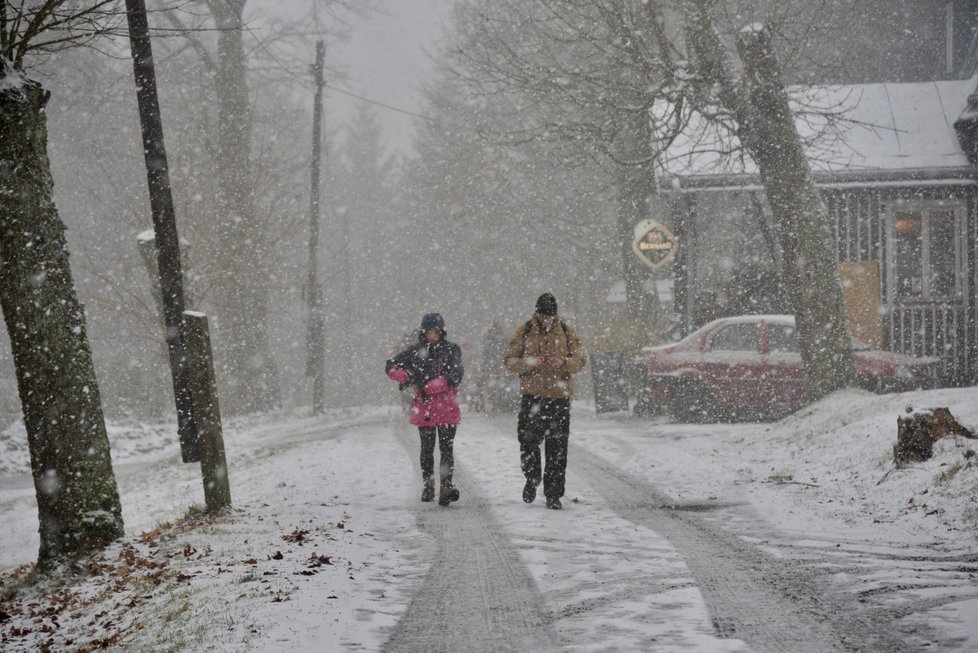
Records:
x=750, y=366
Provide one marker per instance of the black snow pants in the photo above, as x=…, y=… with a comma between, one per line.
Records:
x=446, y=440
x=545, y=421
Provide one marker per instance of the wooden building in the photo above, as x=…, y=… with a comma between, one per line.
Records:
x=896, y=167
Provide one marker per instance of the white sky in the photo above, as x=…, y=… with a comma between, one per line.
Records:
x=386, y=59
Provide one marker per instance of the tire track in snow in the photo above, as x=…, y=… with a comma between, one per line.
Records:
x=906, y=586
x=771, y=604
x=478, y=595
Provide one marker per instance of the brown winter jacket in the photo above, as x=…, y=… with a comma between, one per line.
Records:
x=531, y=341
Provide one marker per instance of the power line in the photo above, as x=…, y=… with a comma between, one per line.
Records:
x=379, y=104
x=287, y=69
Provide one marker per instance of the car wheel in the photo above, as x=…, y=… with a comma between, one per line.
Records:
x=644, y=406
x=872, y=383
x=690, y=402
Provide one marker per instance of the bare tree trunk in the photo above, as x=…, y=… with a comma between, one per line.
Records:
x=767, y=129
x=77, y=500
x=810, y=262
x=316, y=327
x=636, y=183
x=250, y=376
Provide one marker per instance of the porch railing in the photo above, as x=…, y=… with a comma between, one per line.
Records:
x=939, y=330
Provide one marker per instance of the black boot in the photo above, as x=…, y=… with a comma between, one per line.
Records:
x=529, y=491
x=428, y=492
x=447, y=494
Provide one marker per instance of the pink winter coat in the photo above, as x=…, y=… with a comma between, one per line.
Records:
x=437, y=407
x=436, y=402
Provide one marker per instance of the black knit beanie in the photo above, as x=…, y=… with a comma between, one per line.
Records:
x=432, y=321
x=546, y=304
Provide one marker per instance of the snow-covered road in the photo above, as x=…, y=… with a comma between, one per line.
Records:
x=629, y=567
x=511, y=576
x=673, y=538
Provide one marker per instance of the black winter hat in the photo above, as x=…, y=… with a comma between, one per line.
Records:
x=546, y=304
x=432, y=321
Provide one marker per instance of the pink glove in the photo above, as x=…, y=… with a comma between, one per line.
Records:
x=436, y=386
x=398, y=374
x=550, y=362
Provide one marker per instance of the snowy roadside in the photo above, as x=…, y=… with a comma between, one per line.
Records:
x=323, y=544
x=823, y=478
x=303, y=554
x=819, y=470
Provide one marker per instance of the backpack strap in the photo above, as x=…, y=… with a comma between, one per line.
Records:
x=526, y=331
x=529, y=325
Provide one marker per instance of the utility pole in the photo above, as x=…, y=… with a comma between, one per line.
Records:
x=315, y=346
x=346, y=342
x=164, y=224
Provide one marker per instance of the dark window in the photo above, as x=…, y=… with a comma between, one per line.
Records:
x=909, y=254
x=782, y=338
x=925, y=257
x=941, y=250
x=737, y=337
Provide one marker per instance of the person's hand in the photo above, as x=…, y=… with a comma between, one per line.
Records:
x=436, y=386
x=399, y=375
x=550, y=362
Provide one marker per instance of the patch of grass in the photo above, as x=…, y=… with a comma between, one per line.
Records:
x=171, y=627
x=195, y=513
x=250, y=577
x=948, y=473
x=970, y=517
x=13, y=582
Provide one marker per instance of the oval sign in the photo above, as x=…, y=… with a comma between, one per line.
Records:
x=654, y=243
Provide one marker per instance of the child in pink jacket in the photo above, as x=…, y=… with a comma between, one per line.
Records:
x=433, y=366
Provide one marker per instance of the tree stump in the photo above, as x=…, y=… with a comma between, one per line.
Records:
x=917, y=433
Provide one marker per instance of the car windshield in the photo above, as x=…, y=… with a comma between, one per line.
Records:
x=736, y=337
x=784, y=338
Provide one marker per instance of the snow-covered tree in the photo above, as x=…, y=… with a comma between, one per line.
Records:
x=582, y=77
x=489, y=226
x=612, y=78
x=241, y=270
x=764, y=123
x=361, y=258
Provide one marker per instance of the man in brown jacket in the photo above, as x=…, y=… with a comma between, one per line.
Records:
x=545, y=351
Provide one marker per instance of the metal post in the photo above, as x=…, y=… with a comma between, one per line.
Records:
x=164, y=223
x=315, y=345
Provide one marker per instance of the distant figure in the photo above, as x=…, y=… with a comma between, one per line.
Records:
x=433, y=366
x=545, y=351
x=494, y=387
x=494, y=347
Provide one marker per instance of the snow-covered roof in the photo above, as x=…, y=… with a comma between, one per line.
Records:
x=892, y=127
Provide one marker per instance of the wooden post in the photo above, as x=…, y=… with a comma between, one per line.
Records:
x=164, y=221
x=684, y=269
x=207, y=412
